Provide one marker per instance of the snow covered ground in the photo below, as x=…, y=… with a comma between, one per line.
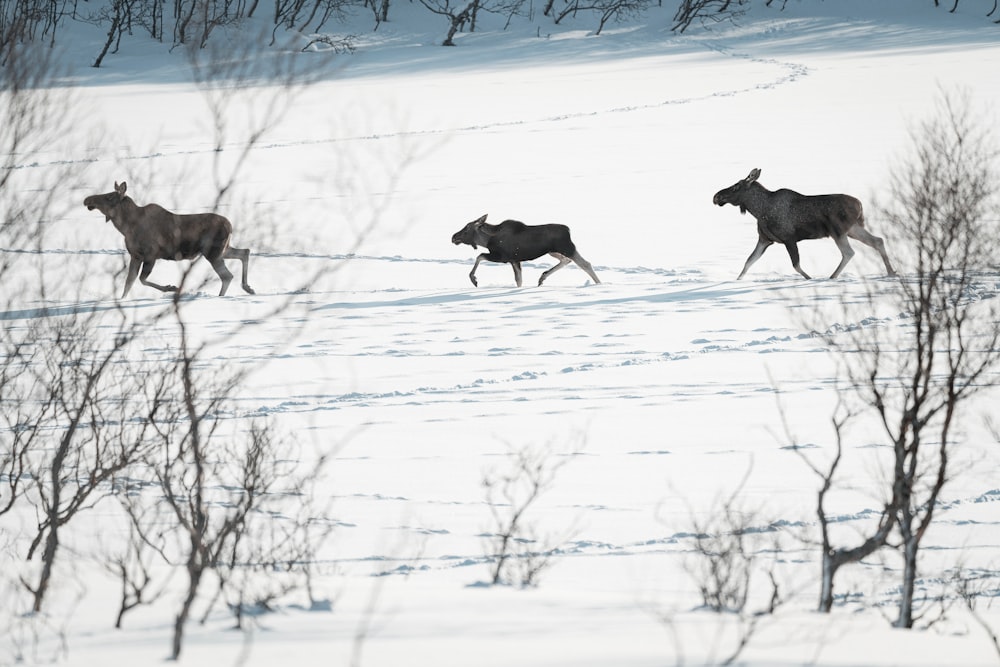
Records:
x=657, y=388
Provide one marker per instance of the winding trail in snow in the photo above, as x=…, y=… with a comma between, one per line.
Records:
x=788, y=73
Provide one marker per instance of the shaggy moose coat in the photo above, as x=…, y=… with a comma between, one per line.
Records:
x=152, y=232
x=787, y=217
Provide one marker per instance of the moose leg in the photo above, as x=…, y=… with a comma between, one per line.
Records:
x=242, y=254
x=762, y=245
x=846, y=253
x=585, y=265
x=147, y=268
x=793, y=252
x=860, y=233
x=133, y=273
x=472, y=274
x=223, y=271
x=491, y=258
x=563, y=261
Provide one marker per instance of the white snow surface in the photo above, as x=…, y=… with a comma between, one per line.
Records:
x=659, y=386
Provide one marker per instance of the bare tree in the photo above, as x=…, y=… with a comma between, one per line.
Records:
x=380, y=11
x=311, y=14
x=945, y=199
x=458, y=15
x=914, y=380
x=120, y=16
x=213, y=486
x=466, y=13
x=834, y=556
x=29, y=21
x=607, y=10
x=716, y=11
x=222, y=493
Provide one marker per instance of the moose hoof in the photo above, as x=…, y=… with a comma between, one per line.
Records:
x=475, y=283
x=248, y=289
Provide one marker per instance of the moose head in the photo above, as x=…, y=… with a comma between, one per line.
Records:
x=734, y=193
x=107, y=203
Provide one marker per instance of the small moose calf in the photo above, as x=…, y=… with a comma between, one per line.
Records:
x=513, y=242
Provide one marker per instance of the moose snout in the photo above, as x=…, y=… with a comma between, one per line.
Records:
x=717, y=199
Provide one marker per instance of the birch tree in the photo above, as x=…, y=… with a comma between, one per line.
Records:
x=915, y=377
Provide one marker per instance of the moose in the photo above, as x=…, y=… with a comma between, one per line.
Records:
x=513, y=242
x=787, y=217
x=152, y=232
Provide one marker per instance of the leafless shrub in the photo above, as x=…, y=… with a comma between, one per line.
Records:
x=132, y=563
x=221, y=492
x=734, y=548
x=36, y=638
x=517, y=552
x=272, y=553
x=334, y=43
x=216, y=485
x=727, y=550
x=972, y=589
x=74, y=383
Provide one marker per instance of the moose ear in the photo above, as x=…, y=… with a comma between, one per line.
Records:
x=481, y=220
x=120, y=189
x=754, y=175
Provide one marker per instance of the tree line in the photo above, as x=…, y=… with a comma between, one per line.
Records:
x=183, y=22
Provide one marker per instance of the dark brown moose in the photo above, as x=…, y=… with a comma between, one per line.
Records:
x=514, y=242
x=786, y=217
x=152, y=232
